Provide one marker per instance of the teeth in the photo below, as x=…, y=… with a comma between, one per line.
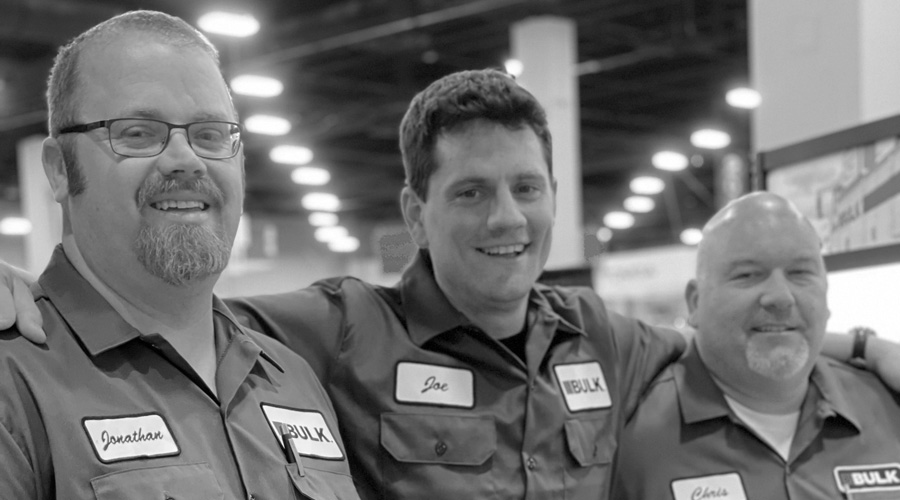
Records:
x=504, y=250
x=180, y=205
x=770, y=329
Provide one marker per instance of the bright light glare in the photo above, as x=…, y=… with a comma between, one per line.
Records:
x=639, y=204
x=670, y=160
x=344, y=245
x=514, y=67
x=267, y=125
x=691, y=236
x=710, y=139
x=322, y=219
x=618, y=220
x=291, y=155
x=743, y=97
x=604, y=234
x=329, y=233
x=323, y=202
x=228, y=24
x=256, y=85
x=647, y=184
x=310, y=176
x=15, y=226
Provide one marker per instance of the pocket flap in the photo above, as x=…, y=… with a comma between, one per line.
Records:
x=439, y=439
x=590, y=440
x=176, y=481
x=321, y=485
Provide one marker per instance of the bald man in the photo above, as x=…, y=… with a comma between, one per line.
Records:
x=751, y=411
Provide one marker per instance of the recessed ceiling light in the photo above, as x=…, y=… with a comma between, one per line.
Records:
x=310, y=176
x=670, y=160
x=647, y=184
x=514, y=67
x=256, y=86
x=743, y=97
x=691, y=236
x=322, y=219
x=618, y=220
x=344, y=245
x=604, y=234
x=15, y=226
x=291, y=155
x=267, y=125
x=229, y=24
x=639, y=204
x=321, y=202
x=710, y=139
x=328, y=233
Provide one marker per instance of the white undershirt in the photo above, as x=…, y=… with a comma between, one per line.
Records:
x=776, y=429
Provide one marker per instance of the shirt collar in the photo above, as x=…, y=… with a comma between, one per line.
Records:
x=429, y=313
x=833, y=400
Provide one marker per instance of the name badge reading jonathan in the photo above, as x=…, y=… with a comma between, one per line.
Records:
x=717, y=487
x=583, y=386
x=307, y=429
x=437, y=385
x=126, y=438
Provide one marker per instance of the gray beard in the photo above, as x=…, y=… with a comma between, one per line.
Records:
x=180, y=254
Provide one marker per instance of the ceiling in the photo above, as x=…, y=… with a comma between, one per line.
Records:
x=655, y=71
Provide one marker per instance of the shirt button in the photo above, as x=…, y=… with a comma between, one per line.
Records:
x=440, y=448
x=532, y=463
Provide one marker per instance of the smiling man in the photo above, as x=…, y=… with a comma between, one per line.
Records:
x=752, y=411
x=148, y=387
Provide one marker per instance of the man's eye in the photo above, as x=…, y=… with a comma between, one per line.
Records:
x=468, y=193
x=137, y=132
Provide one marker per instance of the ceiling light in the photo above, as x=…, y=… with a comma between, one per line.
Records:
x=310, y=176
x=639, y=204
x=328, y=233
x=647, y=184
x=267, y=125
x=344, y=245
x=323, y=202
x=228, y=24
x=514, y=67
x=322, y=219
x=256, y=85
x=291, y=155
x=710, y=139
x=670, y=160
x=15, y=226
x=743, y=97
x=618, y=220
x=691, y=236
x=604, y=234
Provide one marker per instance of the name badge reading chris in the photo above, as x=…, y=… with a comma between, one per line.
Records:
x=436, y=385
x=716, y=487
x=307, y=430
x=583, y=386
x=127, y=438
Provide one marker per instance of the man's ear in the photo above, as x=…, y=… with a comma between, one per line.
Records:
x=692, y=297
x=413, y=213
x=553, y=184
x=55, y=168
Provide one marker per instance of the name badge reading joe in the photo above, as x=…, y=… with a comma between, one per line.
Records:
x=583, y=386
x=127, y=438
x=420, y=383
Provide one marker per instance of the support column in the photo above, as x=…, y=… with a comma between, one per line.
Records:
x=548, y=49
x=38, y=205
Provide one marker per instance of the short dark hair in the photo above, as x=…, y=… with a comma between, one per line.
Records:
x=461, y=97
x=63, y=94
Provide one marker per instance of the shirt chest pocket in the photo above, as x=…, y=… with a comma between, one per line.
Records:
x=318, y=484
x=175, y=482
x=439, y=439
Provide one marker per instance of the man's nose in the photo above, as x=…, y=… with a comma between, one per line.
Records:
x=506, y=212
x=179, y=159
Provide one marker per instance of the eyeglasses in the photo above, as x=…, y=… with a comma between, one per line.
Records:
x=146, y=137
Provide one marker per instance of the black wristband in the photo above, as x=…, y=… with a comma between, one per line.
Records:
x=860, y=334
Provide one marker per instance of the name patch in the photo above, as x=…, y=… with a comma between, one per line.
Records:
x=434, y=385
x=307, y=429
x=859, y=478
x=717, y=487
x=583, y=386
x=131, y=437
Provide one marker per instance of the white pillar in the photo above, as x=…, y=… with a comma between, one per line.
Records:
x=547, y=47
x=38, y=205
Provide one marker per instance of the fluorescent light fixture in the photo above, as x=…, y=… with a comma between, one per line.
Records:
x=743, y=97
x=321, y=202
x=310, y=176
x=322, y=219
x=267, y=125
x=618, y=220
x=639, y=204
x=647, y=185
x=328, y=233
x=15, y=226
x=669, y=160
x=344, y=245
x=604, y=234
x=228, y=24
x=691, y=236
x=710, y=139
x=514, y=67
x=256, y=86
x=291, y=155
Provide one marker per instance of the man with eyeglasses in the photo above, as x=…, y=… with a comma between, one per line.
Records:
x=147, y=386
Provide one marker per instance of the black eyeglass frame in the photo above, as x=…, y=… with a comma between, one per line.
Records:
x=87, y=127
